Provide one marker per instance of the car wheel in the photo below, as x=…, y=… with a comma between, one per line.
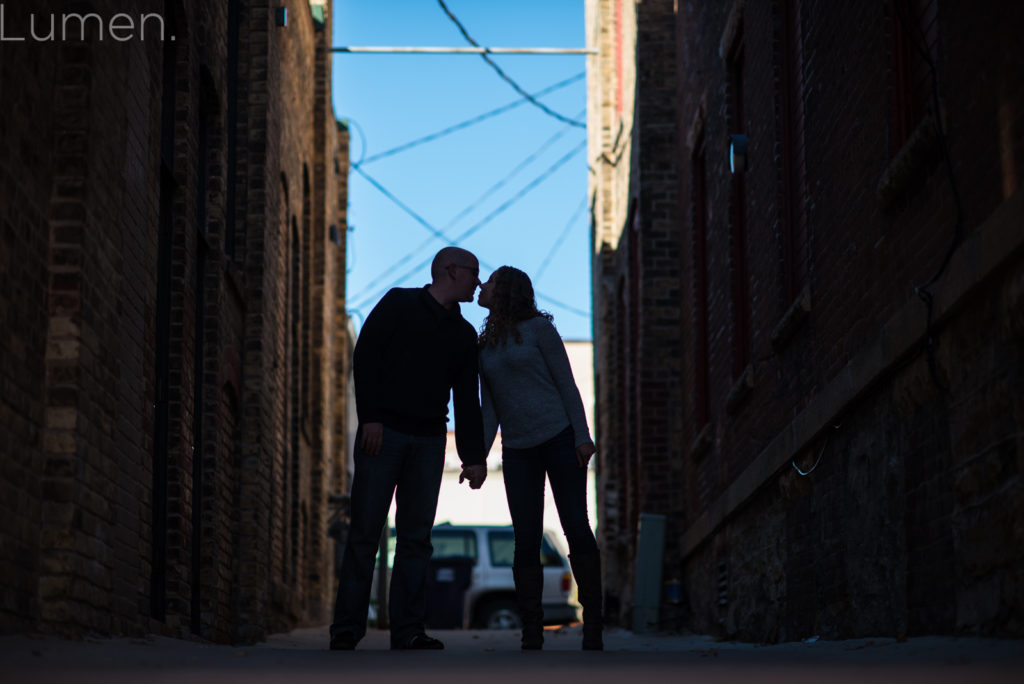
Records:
x=501, y=614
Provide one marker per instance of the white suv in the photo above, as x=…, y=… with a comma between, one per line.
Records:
x=484, y=553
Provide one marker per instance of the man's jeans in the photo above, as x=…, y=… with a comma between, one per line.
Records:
x=409, y=467
x=524, y=471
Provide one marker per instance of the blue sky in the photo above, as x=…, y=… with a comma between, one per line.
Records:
x=449, y=183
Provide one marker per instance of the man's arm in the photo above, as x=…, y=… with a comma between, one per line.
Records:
x=469, y=430
x=368, y=368
x=368, y=357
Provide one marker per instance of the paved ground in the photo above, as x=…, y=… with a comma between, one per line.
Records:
x=484, y=657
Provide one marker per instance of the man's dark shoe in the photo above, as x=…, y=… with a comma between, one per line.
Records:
x=419, y=642
x=343, y=642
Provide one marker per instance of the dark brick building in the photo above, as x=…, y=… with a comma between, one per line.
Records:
x=813, y=367
x=174, y=347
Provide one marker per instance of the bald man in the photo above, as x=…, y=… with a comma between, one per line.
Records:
x=414, y=351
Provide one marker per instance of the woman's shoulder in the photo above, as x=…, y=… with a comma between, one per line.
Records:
x=539, y=322
x=539, y=325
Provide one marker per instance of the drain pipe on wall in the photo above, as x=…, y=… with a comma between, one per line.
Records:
x=650, y=549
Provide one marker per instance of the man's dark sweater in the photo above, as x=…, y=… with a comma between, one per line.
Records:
x=412, y=353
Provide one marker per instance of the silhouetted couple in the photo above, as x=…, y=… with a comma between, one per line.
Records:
x=414, y=351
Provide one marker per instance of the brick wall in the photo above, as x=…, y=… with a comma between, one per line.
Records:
x=635, y=232
x=27, y=186
x=910, y=522
x=611, y=28
x=156, y=480
x=658, y=241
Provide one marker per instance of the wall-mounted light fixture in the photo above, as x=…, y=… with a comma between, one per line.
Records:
x=737, y=153
x=281, y=16
x=335, y=236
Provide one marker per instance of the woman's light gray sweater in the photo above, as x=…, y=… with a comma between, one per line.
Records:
x=528, y=389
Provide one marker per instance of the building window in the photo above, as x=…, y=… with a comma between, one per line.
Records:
x=207, y=123
x=701, y=375
x=169, y=193
x=794, y=215
x=282, y=461
x=295, y=397
x=912, y=36
x=305, y=309
x=739, y=228
x=231, y=238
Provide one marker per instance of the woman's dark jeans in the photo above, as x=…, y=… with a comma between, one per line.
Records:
x=524, y=471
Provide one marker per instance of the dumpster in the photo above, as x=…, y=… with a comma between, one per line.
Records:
x=447, y=582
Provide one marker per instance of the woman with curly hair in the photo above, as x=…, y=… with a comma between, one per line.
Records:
x=528, y=389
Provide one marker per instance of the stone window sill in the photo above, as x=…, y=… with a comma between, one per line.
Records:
x=702, y=442
x=792, y=320
x=234, y=277
x=920, y=152
x=740, y=390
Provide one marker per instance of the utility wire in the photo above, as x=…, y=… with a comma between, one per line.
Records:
x=561, y=238
x=551, y=253
x=563, y=305
x=483, y=222
x=540, y=295
x=404, y=207
x=509, y=176
x=362, y=138
x=362, y=300
x=476, y=203
x=470, y=122
x=515, y=86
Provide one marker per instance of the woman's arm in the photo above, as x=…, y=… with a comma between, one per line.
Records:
x=553, y=350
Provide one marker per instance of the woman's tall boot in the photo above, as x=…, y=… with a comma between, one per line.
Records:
x=529, y=588
x=587, y=570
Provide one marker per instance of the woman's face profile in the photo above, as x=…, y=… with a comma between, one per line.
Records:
x=484, y=298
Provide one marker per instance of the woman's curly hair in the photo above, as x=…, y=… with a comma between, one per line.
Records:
x=512, y=301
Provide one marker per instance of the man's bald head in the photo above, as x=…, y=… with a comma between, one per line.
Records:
x=455, y=274
x=449, y=256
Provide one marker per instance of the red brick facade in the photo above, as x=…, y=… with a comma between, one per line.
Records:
x=910, y=519
x=172, y=291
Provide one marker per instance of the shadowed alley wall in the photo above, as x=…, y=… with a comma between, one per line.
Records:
x=750, y=324
x=175, y=341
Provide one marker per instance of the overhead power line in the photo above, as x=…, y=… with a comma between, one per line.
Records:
x=476, y=50
x=387, y=193
x=568, y=307
x=362, y=138
x=532, y=157
x=473, y=205
x=506, y=77
x=470, y=122
x=561, y=238
x=480, y=224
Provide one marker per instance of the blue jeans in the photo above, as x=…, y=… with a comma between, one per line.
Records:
x=408, y=467
x=524, y=471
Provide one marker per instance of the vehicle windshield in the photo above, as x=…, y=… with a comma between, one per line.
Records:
x=502, y=545
x=461, y=543
x=453, y=543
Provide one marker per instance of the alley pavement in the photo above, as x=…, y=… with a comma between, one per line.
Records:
x=485, y=657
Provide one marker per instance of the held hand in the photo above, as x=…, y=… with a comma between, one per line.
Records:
x=476, y=474
x=584, y=452
x=373, y=438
